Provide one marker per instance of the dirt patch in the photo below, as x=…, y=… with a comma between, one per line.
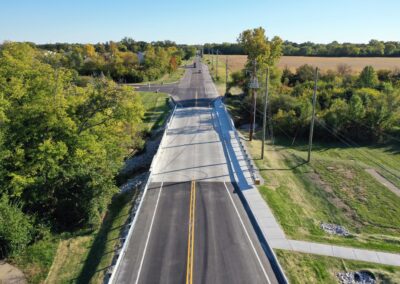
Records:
x=347, y=173
x=333, y=199
x=10, y=274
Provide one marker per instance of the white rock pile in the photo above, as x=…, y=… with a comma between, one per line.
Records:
x=334, y=229
x=356, y=277
x=135, y=182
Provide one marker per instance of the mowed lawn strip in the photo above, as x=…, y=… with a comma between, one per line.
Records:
x=307, y=268
x=330, y=190
x=156, y=109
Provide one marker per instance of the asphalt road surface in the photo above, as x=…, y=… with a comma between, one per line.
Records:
x=192, y=227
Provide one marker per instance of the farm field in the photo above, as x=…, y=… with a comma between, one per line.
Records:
x=237, y=62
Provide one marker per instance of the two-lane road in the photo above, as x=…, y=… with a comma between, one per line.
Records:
x=192, y=227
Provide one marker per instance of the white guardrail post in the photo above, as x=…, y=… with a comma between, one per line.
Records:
x=122, y=253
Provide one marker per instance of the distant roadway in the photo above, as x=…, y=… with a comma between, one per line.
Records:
x=192, y=227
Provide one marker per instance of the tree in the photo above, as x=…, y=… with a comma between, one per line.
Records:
x=172, y=64
x=305, y=73
x=344, y=69
x=257, y=47
x=61, y=144
x=89, y=50
x=368, y=78
x=190, y=52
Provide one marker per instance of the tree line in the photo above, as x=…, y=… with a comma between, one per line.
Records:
x=61, y=143
x=127, y=61
x=363, y=107
x=374, y=48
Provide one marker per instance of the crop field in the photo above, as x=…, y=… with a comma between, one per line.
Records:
x=237, y=62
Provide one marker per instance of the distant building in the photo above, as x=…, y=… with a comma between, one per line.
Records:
x=140, y=56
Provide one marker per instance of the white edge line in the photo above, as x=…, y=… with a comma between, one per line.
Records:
x=273, y=253
x=125, y=245
x=115, y=273
x=148, y=235
x=247, y=234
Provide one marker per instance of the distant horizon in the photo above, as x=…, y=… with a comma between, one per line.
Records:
x=179, y=43
x=93, y=21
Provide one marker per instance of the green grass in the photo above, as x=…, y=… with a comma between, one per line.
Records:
x=329, y=189
x=86, y=256
x=156, y=109
x=220, y=83
x=207, y=59
x=307, y=268
x=35, y=261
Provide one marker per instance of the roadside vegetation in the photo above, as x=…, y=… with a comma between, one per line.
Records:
x=86, y=256
x=156, y=109
x=357, y=128
x=126, y=61
x=374, y=48
x=63, y=140
x=333, y=188
x=306, y=268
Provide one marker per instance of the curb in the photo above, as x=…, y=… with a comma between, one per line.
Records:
x=269, y=252
x=115, y=269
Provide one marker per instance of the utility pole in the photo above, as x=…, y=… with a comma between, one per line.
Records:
x=314, y=100
x=253, y=86
x=226, y=75
x=265, y=112
x=216, y=68
x=212, y=60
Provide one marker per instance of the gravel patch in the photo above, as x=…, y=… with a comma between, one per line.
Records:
x=134, y=182
x=143, y=160
x=334, y=229
x=356, y=277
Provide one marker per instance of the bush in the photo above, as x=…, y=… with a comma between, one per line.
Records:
x=15, y=229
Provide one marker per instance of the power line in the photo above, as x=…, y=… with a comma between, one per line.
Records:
x=357, y=148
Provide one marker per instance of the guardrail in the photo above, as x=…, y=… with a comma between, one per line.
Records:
x=249, y=161
x=135, y=211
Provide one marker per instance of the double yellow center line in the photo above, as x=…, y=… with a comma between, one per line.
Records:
x=190, y=252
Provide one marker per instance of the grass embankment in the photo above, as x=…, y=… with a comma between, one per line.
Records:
x=35, y=261
x=306, y=268
x=79, y=257
x=156, y=109
x=85, y=257
x=333, y=188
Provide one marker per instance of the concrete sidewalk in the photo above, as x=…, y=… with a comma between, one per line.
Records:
x=267, y=222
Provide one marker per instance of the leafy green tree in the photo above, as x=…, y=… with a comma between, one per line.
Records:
x=62, y=144
x=257, y=47
x=368, y=78
x=305, y=73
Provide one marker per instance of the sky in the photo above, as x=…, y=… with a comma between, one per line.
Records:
x=198, y=22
